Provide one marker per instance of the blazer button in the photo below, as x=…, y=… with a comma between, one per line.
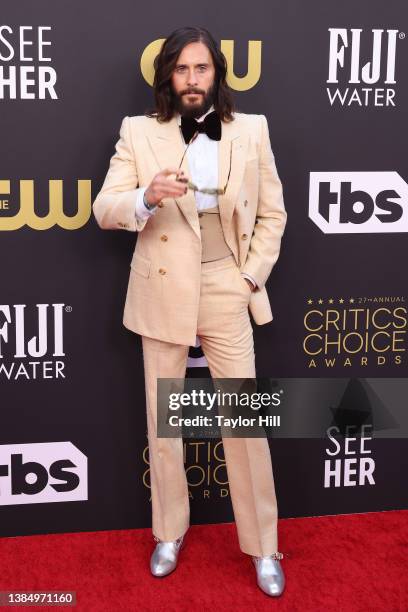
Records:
x=246, y=203
x=200, y=214
x=244, y=236
x=163, y=237
x=162, y=271
x=160, y=204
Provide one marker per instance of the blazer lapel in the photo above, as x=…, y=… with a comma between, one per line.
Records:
x=234, y=143
x=168, y=146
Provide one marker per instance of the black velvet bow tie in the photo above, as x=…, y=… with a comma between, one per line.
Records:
x=210, y=126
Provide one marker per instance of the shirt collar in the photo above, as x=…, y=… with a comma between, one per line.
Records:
x=199, y=118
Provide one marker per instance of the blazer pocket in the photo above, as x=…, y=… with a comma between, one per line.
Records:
x=141, y=265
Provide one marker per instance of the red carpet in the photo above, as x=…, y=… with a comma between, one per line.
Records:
x=341, y=563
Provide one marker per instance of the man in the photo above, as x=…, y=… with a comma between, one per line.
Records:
x=198, y=181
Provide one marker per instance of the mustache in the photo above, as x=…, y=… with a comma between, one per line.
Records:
x=191, y=91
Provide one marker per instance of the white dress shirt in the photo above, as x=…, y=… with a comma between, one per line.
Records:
x=202, y=157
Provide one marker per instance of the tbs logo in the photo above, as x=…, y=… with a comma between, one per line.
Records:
x=42, y=473
x=358, y=202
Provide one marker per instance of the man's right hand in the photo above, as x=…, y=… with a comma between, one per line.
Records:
x=164, y=187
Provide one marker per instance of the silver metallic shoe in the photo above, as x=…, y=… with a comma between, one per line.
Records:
x=164, y=558
x=270, y=576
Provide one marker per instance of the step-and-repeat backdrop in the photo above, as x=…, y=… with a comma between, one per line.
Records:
x=332, y=79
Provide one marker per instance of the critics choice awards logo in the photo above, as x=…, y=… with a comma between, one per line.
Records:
x=341, y=332
x=205, y=469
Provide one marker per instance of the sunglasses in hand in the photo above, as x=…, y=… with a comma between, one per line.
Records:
x=207, y=190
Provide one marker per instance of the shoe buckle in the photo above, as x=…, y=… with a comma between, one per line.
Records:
x=276, y=555
x=177, y=542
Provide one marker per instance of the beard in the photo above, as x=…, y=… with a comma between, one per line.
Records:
x=195, y=110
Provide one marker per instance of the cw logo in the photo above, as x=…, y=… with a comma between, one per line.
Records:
x=56, y=216
x=227, y=47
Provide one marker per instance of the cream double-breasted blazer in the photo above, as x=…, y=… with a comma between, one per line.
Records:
x=163, y=291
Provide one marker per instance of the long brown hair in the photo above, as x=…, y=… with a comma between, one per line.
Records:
x=165, y=63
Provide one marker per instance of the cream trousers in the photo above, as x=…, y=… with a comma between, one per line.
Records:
x=226, y=337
